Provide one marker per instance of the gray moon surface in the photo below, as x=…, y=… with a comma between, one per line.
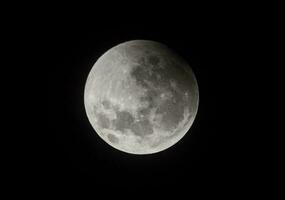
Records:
x=141, y=97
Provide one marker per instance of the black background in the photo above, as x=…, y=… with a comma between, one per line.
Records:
x=214, y=156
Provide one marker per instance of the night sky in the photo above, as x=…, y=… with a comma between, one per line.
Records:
x=211, y=156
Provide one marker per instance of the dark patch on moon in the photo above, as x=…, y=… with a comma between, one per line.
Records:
x=106, y=104
x=103, y=120
x=142, y=128
x=112, y=138
x=144, y=111
x=123, y=121
x=172, y=113
x=137, y=73
x=153, y=60
x=145, y=73
x=171, y=109
x=150, y=97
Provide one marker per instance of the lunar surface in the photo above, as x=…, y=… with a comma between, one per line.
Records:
x=141, y=97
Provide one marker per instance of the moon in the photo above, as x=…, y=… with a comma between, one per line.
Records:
x=141, y=97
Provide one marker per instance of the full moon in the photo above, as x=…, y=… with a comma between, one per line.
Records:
x=141, y=97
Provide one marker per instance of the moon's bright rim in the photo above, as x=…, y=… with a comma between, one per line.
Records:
x=161, y=147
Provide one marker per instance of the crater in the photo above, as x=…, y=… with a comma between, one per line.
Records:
x=144, y=111
x=106, y=104
x=112, y=138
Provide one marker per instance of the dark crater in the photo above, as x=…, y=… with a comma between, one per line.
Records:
x=112, y=138
x=106, y=104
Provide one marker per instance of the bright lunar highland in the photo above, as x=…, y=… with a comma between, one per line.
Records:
x=141, y=97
